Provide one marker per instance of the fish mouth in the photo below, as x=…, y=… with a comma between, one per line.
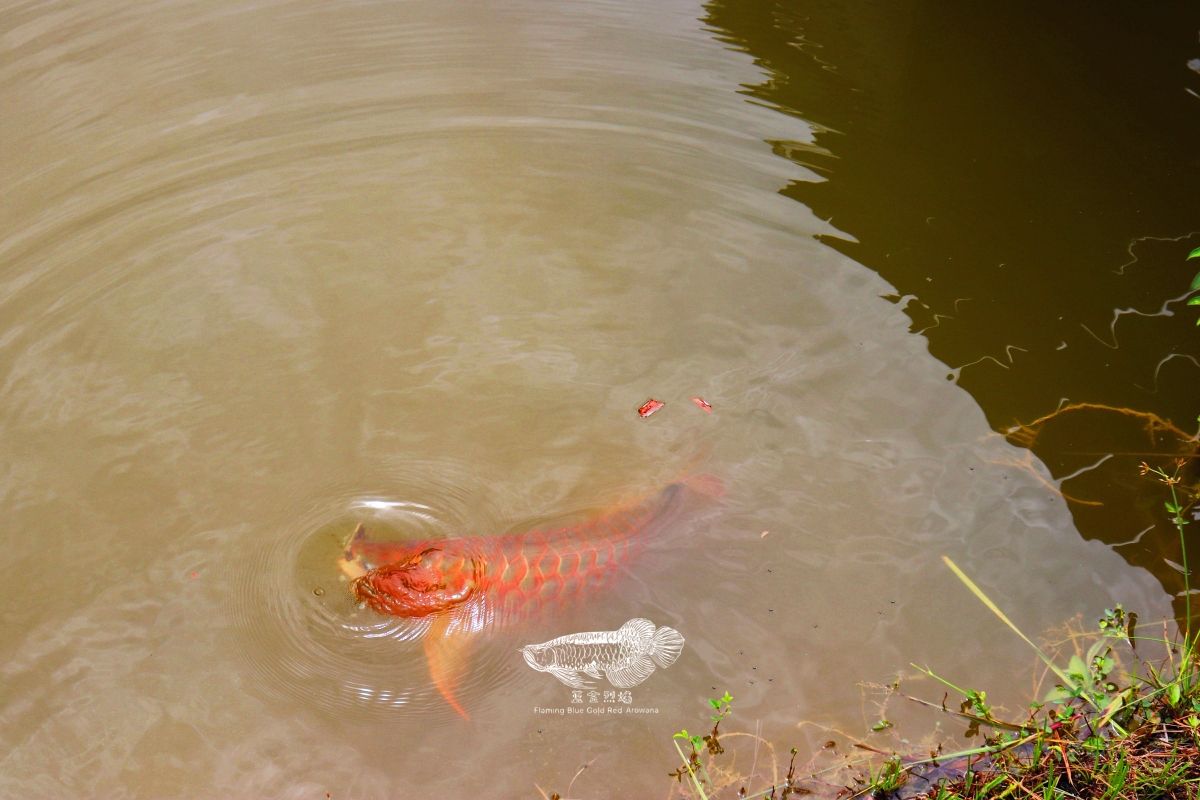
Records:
x=409, y=589
x=530, y=656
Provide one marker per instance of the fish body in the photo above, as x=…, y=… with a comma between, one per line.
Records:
x=514, y=575
x=626, y=656
x=466, y=584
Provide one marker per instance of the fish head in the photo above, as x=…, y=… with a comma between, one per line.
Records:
x=539, y=657
x=429, y=581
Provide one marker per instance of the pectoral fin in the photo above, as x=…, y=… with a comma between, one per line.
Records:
x=351, y=563
x=630, y=673
x=447, y=650
x=568, y=676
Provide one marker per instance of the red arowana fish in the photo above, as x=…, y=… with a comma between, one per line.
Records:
x=465, y=583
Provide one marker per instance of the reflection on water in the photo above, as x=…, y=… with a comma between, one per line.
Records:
x=1026, y=183
x=270, y=270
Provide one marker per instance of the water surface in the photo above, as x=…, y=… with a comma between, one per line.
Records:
x=270, y=270
x=1025, y=177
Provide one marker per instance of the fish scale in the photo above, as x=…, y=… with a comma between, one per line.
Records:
x=520, y=573
x=626, y=656
x=467, y=583
x=581, y=656
x=528, y=570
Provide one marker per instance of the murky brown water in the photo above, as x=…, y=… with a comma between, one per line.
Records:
x=1025, y=177
x=269, y=270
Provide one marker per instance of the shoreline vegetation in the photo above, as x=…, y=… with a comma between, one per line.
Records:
x=1121, y=721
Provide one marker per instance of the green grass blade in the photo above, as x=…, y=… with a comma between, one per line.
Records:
x=691, y=772
x=987, y=601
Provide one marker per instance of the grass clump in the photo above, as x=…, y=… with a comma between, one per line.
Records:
x=1101, y=732
x=1121, y=721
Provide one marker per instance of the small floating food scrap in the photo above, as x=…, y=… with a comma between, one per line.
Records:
x=702, y=405
x=649, y=407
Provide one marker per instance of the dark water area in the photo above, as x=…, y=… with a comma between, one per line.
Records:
x=1026, y=176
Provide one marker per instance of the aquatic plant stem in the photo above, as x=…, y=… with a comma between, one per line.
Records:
x=1185, y=670
x=987, y=601
x=1187, y=575
x=690, y=770
x=1171, y=481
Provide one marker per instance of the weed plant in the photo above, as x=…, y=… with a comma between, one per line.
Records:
x=1115, y=725
x=1100, y=732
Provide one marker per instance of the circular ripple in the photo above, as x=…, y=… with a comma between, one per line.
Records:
x=307, y=639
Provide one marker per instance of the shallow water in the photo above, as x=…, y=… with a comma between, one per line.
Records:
x=270, y=270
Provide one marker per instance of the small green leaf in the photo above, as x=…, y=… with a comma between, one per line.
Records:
x=1194, y=254
x=1196, y=282
x=1077, y=670
x=1195, y=301
x=882, y=725
x=1057, y=695
x=1173, y=693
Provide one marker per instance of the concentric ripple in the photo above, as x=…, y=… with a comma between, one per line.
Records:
x=303, y=633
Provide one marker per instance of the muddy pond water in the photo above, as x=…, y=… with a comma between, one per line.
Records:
x=269, y=270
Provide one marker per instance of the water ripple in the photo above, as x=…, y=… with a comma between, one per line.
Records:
x=305, y=638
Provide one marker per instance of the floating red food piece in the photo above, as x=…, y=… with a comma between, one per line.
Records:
x=649, y=407
x=702, y=405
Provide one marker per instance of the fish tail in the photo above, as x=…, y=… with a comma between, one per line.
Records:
x=665, y=646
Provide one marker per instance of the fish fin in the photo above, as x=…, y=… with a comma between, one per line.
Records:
x=638, y=632
x=593, y=671
x=631, y=673
x=446, y=652
x=351, y=562
x=351, y=567
x=568, y=676
x=359, y=535
x=665, y=646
